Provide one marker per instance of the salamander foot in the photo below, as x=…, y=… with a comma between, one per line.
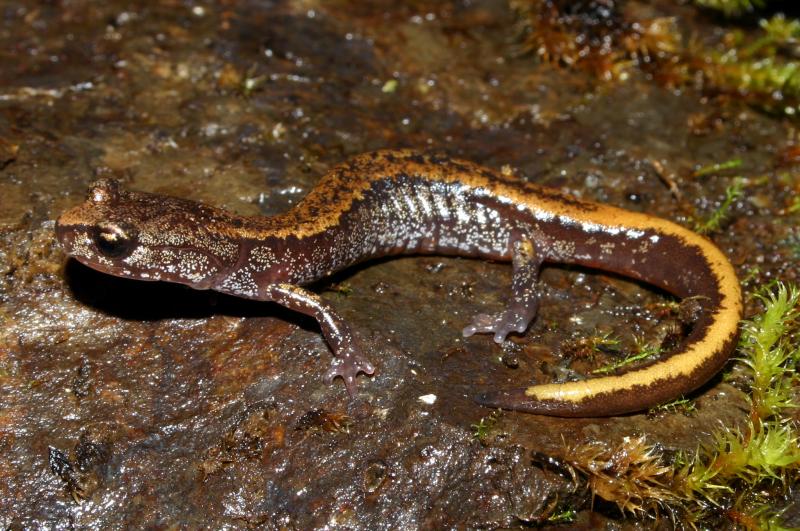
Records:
x=347, y=364
x=501, y=324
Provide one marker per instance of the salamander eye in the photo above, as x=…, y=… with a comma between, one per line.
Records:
x=114, y=240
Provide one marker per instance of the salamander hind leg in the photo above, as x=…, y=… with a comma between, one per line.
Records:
x=349, y=359
x=524, y=301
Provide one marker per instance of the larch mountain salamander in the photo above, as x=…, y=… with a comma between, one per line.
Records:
x=404, y=202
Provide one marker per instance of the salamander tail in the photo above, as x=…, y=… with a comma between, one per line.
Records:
x=521, y=400
x=515, y=399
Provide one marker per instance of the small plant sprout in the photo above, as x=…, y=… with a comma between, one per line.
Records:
x=717, y=167
x=252, y=82
x=481, y=430
x=750, y=275
x=644, y=350
x=563, y=516
x=587, y=347
x=605, y=342
x=682, y=405
x=715, y=220
x=341, y=288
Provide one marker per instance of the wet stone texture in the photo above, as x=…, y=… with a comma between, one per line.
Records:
x=127, y=404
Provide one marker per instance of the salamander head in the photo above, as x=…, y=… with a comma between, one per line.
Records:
x=148, y=236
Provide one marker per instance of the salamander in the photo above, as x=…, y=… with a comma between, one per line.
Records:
x=399, y=202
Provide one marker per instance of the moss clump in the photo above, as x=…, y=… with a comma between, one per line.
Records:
x=600, y=37
x=732, y=8
x=741, y=475
x=771, y=351
x=593, y=36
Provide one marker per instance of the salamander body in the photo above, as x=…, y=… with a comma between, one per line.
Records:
x=403, y=202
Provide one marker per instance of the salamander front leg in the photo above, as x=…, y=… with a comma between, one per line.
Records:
x=524, y=301
x=349, y=360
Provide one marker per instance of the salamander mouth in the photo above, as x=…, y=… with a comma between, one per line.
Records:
x=65, y=230
x=74, y=239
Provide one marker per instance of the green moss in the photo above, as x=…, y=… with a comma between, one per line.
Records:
x=778, y=32
x=771, y=350
x=732, y=7
x=758, y=67
x=739, y=474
